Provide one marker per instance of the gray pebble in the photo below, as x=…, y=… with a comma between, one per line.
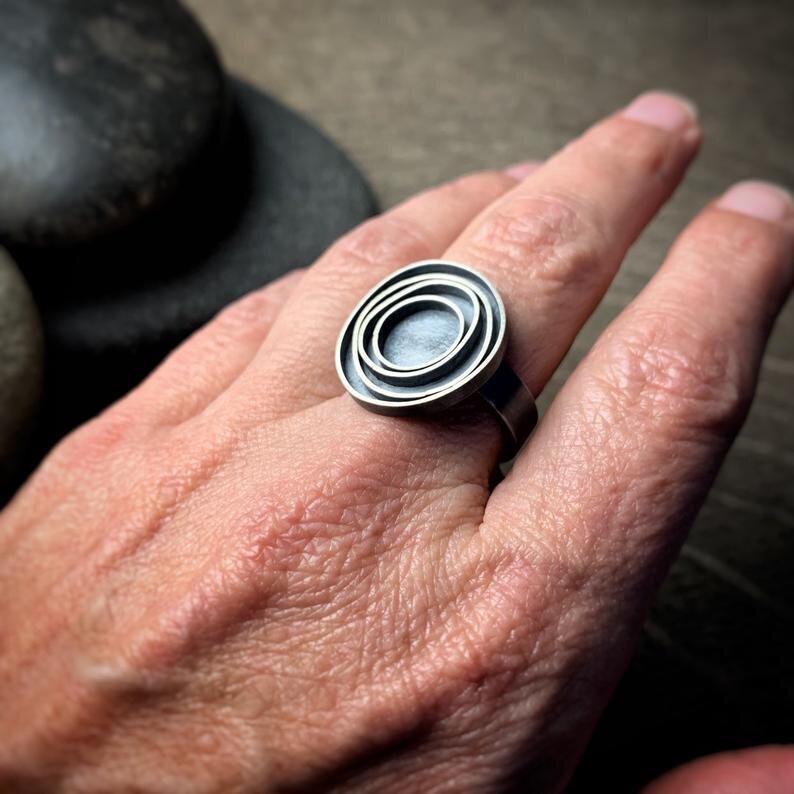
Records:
x=107, y=108
x=21, y=364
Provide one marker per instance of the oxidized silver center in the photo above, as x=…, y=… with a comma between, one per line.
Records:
x=426, y=337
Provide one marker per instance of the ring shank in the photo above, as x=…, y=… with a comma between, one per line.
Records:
x=514, y=406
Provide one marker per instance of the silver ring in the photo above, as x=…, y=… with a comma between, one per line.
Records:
x=427, y=337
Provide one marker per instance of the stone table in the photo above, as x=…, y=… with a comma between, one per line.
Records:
x=419, y=92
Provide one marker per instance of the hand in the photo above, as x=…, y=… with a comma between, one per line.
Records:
x=236, y=579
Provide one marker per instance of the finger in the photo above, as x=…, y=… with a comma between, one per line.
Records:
x=299, y=354
x=758, y=770
x=553, y=244
x=211, y=359
x=520, y=171
x=601, y=498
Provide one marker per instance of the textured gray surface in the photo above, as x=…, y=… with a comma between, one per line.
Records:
x=21, y=363
x=419, y=92
x=107, y=109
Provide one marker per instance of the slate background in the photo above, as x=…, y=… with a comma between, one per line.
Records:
x=421, y=91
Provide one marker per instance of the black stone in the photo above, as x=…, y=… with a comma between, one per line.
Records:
x=21, y=364
x=279, y=196
x=108, y=106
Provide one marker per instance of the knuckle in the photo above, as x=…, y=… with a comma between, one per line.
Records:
x=486, y=184
x=675, y=373
x=96, y=441
x=639, y=148
x=550, y=239
x=387, y=240
x=723, y=237
x=252, y=312
x=246, y=312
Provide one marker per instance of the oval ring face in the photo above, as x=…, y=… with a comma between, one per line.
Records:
x=428, y=336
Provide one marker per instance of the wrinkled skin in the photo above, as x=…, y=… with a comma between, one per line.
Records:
x=237, y=580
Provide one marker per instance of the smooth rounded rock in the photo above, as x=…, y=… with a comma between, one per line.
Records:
x=107, y=108
x=21, y=366
x=282, y=193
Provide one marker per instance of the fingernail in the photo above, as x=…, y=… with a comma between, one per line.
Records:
x=664, y=110
x=762, y=200
x=521, y=171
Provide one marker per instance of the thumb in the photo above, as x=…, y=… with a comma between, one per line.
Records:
x=758, y=770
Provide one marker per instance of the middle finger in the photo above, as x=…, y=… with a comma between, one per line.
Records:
x=552, y=245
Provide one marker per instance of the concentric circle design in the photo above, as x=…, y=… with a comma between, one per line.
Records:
x=426, y=337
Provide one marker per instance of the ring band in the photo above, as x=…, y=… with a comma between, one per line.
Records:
x=427, y=337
